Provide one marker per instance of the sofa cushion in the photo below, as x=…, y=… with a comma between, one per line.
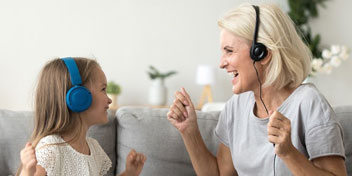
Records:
x=16, y=128
x=344, y=114
x=148, y=131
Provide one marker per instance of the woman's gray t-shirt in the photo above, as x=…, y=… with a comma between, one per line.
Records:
x=315, y=131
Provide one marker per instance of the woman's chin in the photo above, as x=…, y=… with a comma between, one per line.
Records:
x=236, y=90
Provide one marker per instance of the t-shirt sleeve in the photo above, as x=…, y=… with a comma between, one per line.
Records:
x=324, y=136
x=221, y=130
x=325, y=140
x=103, y=158
x=47, y=156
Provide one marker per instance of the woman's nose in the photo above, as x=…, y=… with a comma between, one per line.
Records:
x=223, y=63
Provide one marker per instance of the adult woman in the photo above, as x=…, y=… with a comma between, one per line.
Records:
x=295, y=118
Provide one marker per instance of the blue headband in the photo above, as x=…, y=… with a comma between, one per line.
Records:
x=73, y=70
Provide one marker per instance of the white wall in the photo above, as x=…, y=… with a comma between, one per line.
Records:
x=335, y=27
x=126, y=36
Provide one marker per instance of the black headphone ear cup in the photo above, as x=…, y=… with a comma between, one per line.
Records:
x=258, y=52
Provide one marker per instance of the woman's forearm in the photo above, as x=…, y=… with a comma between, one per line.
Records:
x=203, y=161
x=300, y=165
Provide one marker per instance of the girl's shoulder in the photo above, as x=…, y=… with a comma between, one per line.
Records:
x=47, y=152
x=50, y=139
x=93, y=143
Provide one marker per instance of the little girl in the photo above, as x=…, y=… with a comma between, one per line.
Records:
x=70, y=97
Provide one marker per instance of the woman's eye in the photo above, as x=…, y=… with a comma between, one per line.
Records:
x=104, y=89
x=228, y=51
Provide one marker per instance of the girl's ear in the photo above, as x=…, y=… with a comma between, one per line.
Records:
x=267, y=58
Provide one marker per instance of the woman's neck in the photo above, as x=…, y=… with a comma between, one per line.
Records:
x=272, y=98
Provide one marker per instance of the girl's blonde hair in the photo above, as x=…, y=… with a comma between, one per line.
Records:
x=52, y=115
x=290, y=62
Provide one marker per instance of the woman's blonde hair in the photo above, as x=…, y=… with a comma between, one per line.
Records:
x=290, y=62
x=52, y=115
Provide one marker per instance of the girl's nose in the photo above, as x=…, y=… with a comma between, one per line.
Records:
x=109, y=100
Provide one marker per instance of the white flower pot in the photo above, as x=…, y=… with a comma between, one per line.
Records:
x=157, y=92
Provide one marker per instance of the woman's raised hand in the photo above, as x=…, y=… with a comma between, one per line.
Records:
x=28, y=160
x=182, y=113
x=279, y=133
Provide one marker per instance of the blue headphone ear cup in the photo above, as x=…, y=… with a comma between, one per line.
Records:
x=258, y=51
x=78, y=99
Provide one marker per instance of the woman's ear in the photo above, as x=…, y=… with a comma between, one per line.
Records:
x=267, y=58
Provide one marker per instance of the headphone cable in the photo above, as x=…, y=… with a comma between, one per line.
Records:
x=260, y=96
x=260, y=88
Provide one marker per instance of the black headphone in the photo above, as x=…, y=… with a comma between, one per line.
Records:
x=258, y=50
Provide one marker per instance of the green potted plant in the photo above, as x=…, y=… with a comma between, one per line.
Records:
x=158, y=91
x=113, y=90
x=156, y=74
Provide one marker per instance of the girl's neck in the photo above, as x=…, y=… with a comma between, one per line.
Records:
x=79, y=143
x=272, y=98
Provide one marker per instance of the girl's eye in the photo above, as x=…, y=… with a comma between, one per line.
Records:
x=104, y=89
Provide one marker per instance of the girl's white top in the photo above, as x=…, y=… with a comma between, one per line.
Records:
x=62, y=159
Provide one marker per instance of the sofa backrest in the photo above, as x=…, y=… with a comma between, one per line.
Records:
x=16, y=128
x=148, y=131
x=144, y=129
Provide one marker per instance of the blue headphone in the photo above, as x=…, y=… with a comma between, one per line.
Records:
x=258, y=50
x=78, y=98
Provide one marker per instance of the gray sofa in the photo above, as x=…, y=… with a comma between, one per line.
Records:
x=144, y=129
